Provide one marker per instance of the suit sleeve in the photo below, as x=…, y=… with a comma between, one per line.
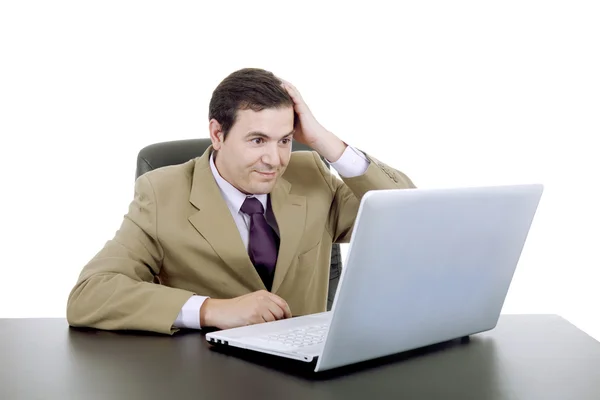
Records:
x=348, y=192
x=115, y=290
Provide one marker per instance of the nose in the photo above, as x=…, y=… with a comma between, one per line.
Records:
x=271, y=155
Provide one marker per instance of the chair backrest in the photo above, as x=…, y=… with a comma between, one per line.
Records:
x=159, y=155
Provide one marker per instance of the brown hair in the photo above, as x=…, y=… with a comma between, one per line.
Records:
x=248, y=88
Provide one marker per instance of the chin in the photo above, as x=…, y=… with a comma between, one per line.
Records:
x=262, y=188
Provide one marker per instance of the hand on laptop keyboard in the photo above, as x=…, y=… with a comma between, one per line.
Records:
x=252, y=308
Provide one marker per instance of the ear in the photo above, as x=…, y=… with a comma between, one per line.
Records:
x=216, y=134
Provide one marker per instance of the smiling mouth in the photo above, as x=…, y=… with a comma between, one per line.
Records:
x=267, y=174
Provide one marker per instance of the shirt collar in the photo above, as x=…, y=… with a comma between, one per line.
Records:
x=233, y=196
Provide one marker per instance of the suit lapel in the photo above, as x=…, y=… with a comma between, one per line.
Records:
x=290, y=214
x=214, y=222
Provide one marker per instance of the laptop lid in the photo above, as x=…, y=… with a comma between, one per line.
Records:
x=425, y=266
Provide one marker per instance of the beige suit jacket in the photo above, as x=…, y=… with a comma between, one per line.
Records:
x=179, y=239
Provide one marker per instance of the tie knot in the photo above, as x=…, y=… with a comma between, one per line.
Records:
x=252, y=206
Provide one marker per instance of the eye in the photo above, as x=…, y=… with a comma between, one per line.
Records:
x=257, y=140
x=286, y=140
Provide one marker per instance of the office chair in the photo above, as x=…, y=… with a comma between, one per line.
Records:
x=180, y=151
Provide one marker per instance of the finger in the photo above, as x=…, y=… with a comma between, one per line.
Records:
x=282, y=304
x=268, y=316
x=288, y=84
x=299, y=103
x=290, y=88
x=290, y=91
x=276, y=310
x=284, y=82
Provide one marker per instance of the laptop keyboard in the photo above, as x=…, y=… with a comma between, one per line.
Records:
x=299, y=337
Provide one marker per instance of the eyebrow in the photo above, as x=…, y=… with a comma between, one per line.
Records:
x=265, y=136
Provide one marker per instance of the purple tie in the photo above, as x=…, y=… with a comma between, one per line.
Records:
x=262, y=246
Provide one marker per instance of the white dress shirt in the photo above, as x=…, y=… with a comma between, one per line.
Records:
x=352, y=163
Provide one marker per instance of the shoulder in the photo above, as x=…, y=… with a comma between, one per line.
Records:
x=169, y=179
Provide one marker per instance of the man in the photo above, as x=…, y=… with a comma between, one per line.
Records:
x=240, y=235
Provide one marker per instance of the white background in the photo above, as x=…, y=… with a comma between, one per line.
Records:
x=452, y=93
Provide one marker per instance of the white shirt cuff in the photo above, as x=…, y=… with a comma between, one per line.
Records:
x=189, y=316
x=352, y=163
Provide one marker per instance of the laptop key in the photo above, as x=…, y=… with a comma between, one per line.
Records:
x=299, y=337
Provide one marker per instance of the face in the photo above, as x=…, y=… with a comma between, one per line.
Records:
x=257, y=149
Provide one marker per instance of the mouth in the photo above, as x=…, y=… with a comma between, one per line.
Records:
x=267, y=174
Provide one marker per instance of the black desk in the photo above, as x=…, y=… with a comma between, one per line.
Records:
x=525, y=357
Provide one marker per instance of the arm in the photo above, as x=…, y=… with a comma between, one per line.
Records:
x=348, y=192
x=115, y=290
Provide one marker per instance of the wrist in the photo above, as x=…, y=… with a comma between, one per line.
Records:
x=330, y=147
x=206, y=318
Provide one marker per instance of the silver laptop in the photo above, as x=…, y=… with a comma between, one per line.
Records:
x=424, y=266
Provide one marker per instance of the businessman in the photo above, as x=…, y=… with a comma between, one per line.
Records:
x=238, y=236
